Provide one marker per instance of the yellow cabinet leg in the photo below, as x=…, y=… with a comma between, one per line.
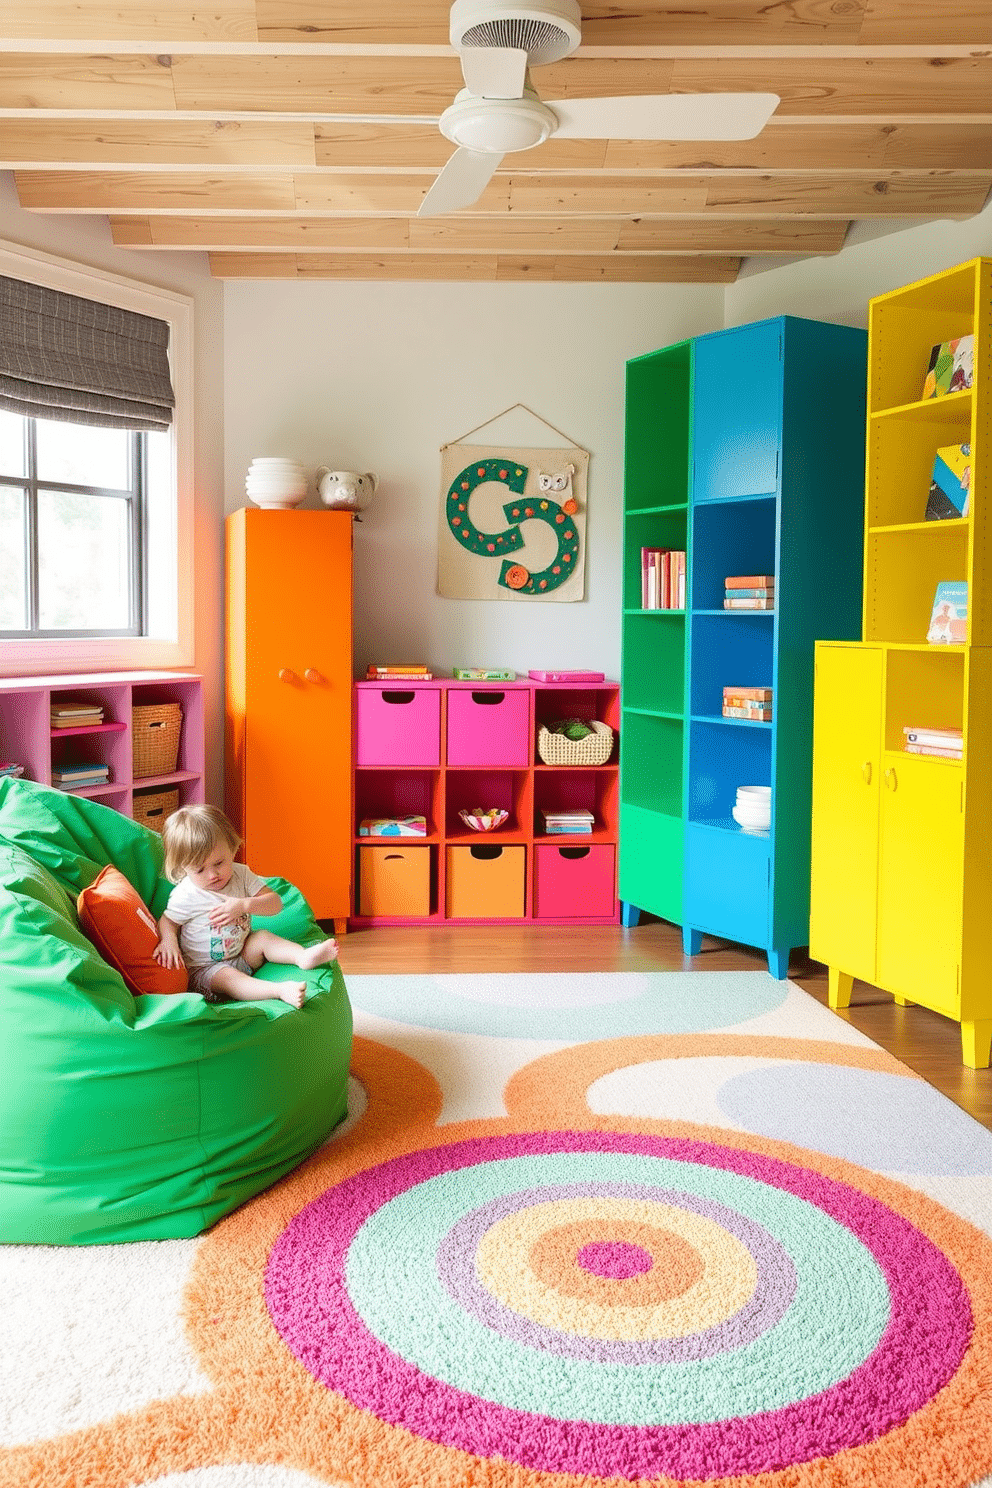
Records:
x=839, y=987
x=901, y=1001
x=976, y=1043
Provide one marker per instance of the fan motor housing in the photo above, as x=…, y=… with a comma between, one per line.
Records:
x=547, y=31
x=497, y=126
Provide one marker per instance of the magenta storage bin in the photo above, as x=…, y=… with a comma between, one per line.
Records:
x=574, y=881
x=398, y=726
x=489, y=726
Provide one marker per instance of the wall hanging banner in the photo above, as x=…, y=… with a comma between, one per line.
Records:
x=512, y=522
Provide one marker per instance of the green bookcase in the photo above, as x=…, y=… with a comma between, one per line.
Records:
x=652, y=732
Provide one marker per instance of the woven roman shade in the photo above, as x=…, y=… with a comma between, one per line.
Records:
x=80, y=362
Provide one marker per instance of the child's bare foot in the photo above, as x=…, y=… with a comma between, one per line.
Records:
x=292, y=992
x=317, y=955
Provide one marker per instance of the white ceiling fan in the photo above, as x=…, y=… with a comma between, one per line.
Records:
x=498, y=111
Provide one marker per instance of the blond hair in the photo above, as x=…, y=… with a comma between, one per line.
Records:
x=190, y=834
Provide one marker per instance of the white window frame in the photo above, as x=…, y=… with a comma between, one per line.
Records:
x=170, y=581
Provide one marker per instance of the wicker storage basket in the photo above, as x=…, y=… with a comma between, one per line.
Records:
x=594, y=749
x=151, y=808
x=155, y=738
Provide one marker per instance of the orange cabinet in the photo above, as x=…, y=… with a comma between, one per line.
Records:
x=289, y=698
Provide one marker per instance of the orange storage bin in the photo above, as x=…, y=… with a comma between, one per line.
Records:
x=485, y=882
x=394, y=880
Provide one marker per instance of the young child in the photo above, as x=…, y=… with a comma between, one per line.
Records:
x=207, y=921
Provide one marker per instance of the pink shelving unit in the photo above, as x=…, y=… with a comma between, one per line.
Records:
x=26, y=735
x=434, y=748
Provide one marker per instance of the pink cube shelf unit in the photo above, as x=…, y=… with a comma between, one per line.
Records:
x=27, y=737
x=435, y=748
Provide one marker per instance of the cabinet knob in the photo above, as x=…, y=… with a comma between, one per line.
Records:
x=866, y=772
x=312, y=675
x=285, y=675
x=891, y=780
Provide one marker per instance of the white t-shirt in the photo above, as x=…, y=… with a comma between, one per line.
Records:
x=189, y=907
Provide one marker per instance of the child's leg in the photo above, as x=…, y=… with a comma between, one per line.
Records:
x=244, y=988
x=262, y=945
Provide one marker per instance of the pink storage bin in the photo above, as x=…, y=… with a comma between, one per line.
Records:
x=489, y=726
x=398, y=726
x=574, y=881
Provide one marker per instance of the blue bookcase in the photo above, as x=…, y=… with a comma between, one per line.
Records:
x=776, y=487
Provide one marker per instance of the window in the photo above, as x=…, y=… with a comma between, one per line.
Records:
x=96, y=524
x=73, y=526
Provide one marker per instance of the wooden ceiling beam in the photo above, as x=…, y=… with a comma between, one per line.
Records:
x=880, y=88
x=792, y=146
x=609, y=269
x=810, y=23
x=897, y=194
x=378, y=234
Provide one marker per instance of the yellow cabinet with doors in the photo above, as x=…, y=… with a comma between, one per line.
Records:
x=901, y=892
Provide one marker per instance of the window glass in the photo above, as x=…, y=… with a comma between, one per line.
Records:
x=78, y=455
x=11, y=444
x=83, y=549
x=12, y=598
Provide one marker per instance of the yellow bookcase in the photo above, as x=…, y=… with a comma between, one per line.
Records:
x=902, y=843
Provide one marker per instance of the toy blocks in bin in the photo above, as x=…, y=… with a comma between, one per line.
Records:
x=485, y=882
x=394, y=880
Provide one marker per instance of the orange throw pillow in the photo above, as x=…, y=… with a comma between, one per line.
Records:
x=125, y=933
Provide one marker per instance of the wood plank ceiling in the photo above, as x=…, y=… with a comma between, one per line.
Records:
x=296, y=138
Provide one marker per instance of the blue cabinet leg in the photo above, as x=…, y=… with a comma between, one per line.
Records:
x=629, y=914
x=778, y=964
x=692, y=941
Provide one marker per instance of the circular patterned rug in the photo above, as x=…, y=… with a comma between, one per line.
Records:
x=562, y=1300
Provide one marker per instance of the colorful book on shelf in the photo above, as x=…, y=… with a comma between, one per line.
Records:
x=662, y=579
x=11, y=769
x=750, y=715
x=733, y=690
x=542, y=675
x=951, y=367
x=949, y=617
x=749, y=581
x=950, y=483
x=947, y=742
x=75, y=717
x=730, y=603
x=932, y=749
x=388, y=672
x=749, y=593
x=482, y=674
x=393, y=826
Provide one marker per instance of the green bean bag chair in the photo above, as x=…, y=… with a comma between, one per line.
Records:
x=140, y=1118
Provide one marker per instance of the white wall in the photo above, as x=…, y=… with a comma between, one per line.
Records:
x=86, y=240
x=368, y=376
x=838, y=288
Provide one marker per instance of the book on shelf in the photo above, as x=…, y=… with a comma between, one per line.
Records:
x=11, y=769
x=951, y=367
x=75, y=717
x=749, y=593
x=583, y=829
x=94, y=776
x=749, y=581
x=949, y=617
x=749, y=604
x=752, y=715
x=950, y=483
x=932, y=749
x=393, y=826
x=387, y=671
x=482, y=674
x=763, y=693
x=663, y=579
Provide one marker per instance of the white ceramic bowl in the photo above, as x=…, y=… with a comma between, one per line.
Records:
x=750, y=823
x=754, y=792
x=274, y=462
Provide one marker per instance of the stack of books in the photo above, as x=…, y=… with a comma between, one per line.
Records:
x=754, y=704
x=662, y=579
x=944, y=743
x=76, y=715
x=389, y=672
x=567, y=823
x=9, y=768
x=749, y=592
x=73, y=777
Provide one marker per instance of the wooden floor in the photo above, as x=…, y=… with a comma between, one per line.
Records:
x=928, y=1043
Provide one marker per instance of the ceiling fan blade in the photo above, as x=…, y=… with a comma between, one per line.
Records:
x=494, y=72
x=666, y=116
x=462, y=181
